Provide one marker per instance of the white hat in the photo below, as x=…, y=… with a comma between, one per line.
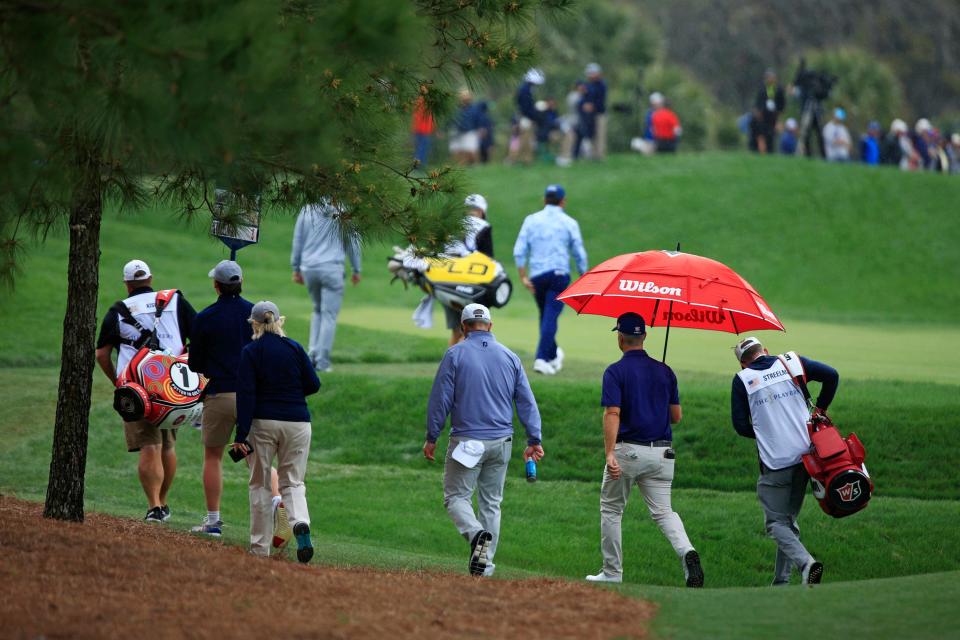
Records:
x=476, y=201
x=741, y=347
x=923, y=125
x=475, y=311
x=535, y=76
x=656, y=98
x=136, y=270
x=592, y=68
x=898, y=126
x=468, y=453
x=791, y=123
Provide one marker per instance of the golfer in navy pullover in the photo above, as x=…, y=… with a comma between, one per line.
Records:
x=218, y=335
x=276, y=375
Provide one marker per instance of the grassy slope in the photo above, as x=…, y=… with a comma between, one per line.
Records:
x=553, y=527
x=884, y=232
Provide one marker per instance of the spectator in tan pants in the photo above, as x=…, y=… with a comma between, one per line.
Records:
x=218, y=335
x=275, y=377
x=527, y=118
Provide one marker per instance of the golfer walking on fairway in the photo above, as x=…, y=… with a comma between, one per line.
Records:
x=641, y=401
x=320, y=245
x=767, y=405
x=542, y=252
x=478, y=383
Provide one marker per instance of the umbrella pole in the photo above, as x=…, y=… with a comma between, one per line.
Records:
x=666, y=338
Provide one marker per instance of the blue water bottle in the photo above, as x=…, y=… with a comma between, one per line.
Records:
x=531, y=470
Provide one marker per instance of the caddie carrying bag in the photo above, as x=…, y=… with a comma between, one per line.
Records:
x=840, y=480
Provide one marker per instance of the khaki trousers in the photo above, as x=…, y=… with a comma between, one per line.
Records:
x=652, y=472
x=600, y=137
x=290, y=443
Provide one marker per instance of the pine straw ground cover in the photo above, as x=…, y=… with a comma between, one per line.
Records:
x=111, y=577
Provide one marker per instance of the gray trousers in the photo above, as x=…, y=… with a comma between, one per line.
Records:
x=647, y=468
x=486, y=479
x=781, y=495
x=325, y=285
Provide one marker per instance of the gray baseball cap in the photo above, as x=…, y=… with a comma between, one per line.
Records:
x=475, y=312
x=259, y=311
x=226, y=272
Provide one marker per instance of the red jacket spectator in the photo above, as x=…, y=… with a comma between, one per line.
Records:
x=422, y=119
x=664, y=123
x=665, y=126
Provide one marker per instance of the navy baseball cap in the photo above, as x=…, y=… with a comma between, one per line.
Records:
x=631, y=324
x=556, y=191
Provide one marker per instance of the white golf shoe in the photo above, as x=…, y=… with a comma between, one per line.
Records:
x=544, y=367
x=602, y=577
x=557, y=363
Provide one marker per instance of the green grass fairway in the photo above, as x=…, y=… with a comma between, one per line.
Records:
x=861, y=265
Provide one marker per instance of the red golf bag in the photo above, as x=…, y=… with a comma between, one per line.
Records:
x=840, y=480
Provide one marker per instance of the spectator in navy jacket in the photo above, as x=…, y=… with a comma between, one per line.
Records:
x=465, y=138
x=595, y=102
x=527, y=117
x=275, y=377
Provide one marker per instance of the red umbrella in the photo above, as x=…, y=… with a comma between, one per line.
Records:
x=672, y=288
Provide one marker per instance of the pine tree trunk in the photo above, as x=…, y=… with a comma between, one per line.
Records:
x=69, y=458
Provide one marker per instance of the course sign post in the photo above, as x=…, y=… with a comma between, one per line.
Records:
x=236, y=220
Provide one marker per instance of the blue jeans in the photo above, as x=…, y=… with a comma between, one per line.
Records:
x=547, y=286
x=421, y=148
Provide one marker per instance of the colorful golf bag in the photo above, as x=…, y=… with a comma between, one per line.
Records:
x=840, y=480
x=156, y=386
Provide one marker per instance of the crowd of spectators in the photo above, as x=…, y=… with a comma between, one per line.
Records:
x=539, y=132
x=924, y=148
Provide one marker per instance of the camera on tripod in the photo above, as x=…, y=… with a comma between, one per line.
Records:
x=812, y=84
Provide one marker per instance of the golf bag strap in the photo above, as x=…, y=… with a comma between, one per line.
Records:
x=124, y=312
x=800, y=380
x=163, y=299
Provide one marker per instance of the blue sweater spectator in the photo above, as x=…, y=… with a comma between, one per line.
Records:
x=275, y=375
x=788, y=143
x=525, y=102
x=218, y=335
x=468, y=118
x=869, y=150
x=597, y=95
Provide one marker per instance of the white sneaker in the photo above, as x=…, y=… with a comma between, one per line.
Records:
x=602, y=577
x=557, y=363
x=544, y=367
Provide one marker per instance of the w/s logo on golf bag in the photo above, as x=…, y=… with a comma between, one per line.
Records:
x=849, y=492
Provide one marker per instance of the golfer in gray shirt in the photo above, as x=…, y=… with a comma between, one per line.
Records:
x=320, y=246
x=478, y=383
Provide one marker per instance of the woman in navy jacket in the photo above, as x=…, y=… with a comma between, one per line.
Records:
x=275, y=377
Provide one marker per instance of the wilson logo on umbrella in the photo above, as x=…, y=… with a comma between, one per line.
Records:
x=649, y=287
